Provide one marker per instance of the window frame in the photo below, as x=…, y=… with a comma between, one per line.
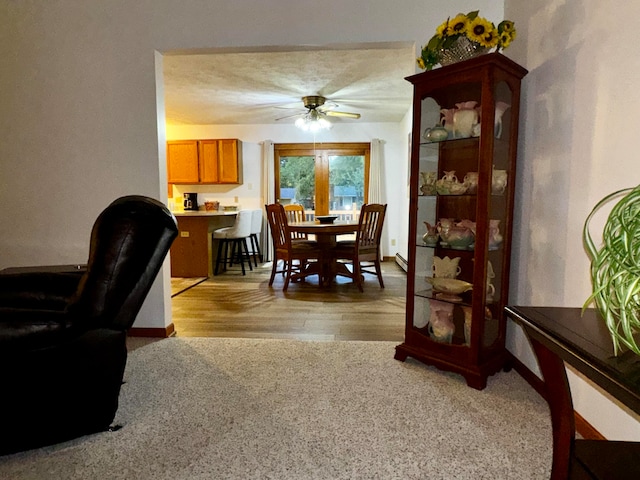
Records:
x=321, y=153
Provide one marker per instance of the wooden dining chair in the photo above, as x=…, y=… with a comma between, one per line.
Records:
x=364, y=252
x=287, y=251
x=295, y=213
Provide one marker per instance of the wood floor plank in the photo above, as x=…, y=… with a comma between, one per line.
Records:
x=233, y=305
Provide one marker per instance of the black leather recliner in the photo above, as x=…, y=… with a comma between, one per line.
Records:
x=62, y=335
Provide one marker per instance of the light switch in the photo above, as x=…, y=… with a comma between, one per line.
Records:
x=184, y=234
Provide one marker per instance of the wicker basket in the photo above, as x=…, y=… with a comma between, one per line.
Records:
x=462, y=49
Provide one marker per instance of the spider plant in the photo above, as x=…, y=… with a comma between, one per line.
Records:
x=615, y=268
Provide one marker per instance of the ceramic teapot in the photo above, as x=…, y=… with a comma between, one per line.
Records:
x=450, y=176
x=435, y=134
x=449, y=184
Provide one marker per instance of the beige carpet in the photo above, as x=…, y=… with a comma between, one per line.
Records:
x=210, y=408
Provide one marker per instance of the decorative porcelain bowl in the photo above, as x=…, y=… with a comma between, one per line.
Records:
x=458, y=238
x=449, y=285
x=326, y=218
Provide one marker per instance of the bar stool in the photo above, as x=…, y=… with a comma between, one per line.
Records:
x=256, y=229
x=235, y=235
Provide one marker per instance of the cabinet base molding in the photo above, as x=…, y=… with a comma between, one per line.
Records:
x=475, y=374
x=166, y=332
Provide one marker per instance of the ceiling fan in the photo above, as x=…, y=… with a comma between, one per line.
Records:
x=317, y=108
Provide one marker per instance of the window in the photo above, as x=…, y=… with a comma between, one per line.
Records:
x=327, y=179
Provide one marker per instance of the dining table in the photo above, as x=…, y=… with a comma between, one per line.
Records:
x=327, y=266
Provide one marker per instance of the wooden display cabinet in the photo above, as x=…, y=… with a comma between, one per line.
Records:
x=462, y=332
x=204, y=161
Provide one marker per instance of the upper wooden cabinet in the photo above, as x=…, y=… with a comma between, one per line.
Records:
x=204, y=161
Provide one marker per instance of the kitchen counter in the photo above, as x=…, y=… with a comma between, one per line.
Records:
x=201, y=213
x=193, y=251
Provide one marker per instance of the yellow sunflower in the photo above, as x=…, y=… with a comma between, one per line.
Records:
x=480, y=31
x=421, y=63
x=458, y=25
x=490, y=39
x=506, y=39
x=505, y=26
x=442, y=30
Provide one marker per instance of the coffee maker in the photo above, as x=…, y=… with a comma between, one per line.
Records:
x=190, y=201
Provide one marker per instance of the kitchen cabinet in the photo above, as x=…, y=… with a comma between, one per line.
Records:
x=462, y=191
x=204, y=161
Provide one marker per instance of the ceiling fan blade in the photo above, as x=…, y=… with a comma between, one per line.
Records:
x=290, y=116
x=333, y=113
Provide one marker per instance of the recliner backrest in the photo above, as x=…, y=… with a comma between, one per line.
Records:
x=129, y=242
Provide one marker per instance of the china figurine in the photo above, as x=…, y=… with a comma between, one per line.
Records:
x=428, y=181
x=446, y=267
x=455, y=236
x=501, y=107
x=495, y=238
x=471, y=182
x=467, y=324
x=431, y=237
x=498, y=181
x=441, y=326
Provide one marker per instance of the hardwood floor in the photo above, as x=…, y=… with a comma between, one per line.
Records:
x=232, y=305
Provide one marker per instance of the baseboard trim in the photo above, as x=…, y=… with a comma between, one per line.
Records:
x=165, y=332
x=583, y=428
x=402, y=262
x=531, y=378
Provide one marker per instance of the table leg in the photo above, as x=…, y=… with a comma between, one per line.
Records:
x=558, y=396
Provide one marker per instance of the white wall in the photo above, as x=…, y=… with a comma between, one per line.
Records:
x=80, y=124
x=578, y=143
x=394, y=148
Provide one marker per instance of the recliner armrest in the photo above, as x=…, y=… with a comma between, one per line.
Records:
x=38, y=290
x=28, y=329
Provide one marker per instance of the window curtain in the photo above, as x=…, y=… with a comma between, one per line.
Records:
x=375, y=193
x=268, y=187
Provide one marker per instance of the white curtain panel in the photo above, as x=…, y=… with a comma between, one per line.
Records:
x=375, y=193
x=268, y=187
x=375, y=172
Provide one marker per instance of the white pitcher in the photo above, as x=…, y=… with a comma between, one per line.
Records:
x=465, y=118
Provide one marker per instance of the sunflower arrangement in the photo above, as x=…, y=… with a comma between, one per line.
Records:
x=478, y=31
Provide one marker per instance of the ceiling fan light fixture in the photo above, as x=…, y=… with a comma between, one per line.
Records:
x=313, y=121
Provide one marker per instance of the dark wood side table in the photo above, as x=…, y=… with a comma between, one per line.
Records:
x=561, y=335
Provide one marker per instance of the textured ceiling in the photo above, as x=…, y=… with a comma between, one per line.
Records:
x=262, y=87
